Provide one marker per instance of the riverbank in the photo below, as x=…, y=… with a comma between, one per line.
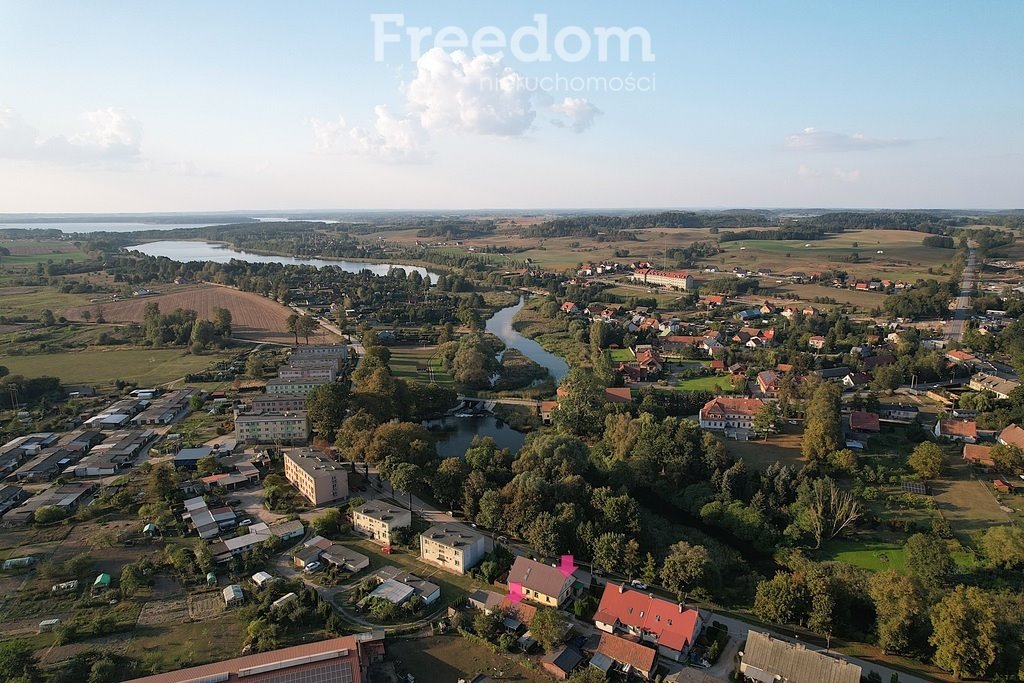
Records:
x=552, y=335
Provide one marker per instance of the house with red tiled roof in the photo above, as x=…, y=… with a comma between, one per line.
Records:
x=959, y=357
x=669, y=626
x=718, y=365
x=965, y=431
x=978, y=455
x=615, y=654
x=864, y=422
x=817, y=342
x=1012, y=435
x=569, y=308
x=618, y=395
x=734, y=416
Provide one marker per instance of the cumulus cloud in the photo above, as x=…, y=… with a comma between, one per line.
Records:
x=479, y=94
x=828, y=141
x=105, y=135
x=392, y=138
x=579, y=113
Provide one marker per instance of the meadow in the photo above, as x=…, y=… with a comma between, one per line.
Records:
x=102, y=366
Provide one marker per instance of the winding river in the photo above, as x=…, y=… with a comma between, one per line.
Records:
x=500, y=325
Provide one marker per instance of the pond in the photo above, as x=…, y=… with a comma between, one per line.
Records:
x=500, y=325
x=458, y=433
x=188, y=250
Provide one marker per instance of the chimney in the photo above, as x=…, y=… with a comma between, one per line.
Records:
x=622, y=588
x=681, y=608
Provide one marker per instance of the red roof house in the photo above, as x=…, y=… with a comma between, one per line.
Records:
x=862, y=421
x=978, y=455
x=1012, y=435
x=670, y=626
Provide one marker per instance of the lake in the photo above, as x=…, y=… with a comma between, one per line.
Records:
x=500, y=325
x=188, y=250
x=458, y=433
x=99, y=226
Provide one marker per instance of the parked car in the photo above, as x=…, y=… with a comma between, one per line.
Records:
x=312, y=567
x=637, y=583
x=245, y=522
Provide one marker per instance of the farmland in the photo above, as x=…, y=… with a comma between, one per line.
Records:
x=253, y=317
x=98, y=365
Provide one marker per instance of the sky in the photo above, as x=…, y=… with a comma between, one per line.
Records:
x=211, y=106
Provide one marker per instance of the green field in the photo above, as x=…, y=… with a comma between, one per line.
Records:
x=705, y=384
x=29, y=301
x=419, y=363
x=103, y=366
x=621, y=355
x=876, y=555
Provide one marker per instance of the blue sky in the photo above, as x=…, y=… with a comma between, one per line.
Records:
x=128, y=106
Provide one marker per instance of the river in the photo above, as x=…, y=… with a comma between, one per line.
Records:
x=456, y=434
x=187, y=250
x=500, y=325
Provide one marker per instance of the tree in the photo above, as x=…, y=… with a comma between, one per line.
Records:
x=254, y=365
x=263, y=635
x=489, y=626
x=927, y=460
x=822, y=427
x=898, y=604
x=329, y=524
x=684, y=568
x=608, y=551
x=305, y=326
x=543, y=534
x=824, y=510
x=407, y=477
x=964, y=633
x=207, y=465
x=292, y=325
x=548, y=627
x=47, y=318
x=781, y=599
x=18, y=661
x=579, y=410
x=929, y=560
x=631, y=558
x=650, y=570
x=326, y=406
x=447, y=481
x=1007, y=457
x=1004, y=546
x=48, y=514
x=766, y=421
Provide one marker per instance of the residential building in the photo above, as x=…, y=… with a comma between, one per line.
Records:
x=562, y=662
x=325, y=370
x=901, y=412
x=863, y=422
x=960, y=357
x=268, y=427
x=1012, y=435
x=279, y=385
x=614, y=654
x=999, y=386
x=11, y=497
x=765, y=658
x=452, y=547
x=669, y=626
x=768, y=382
x=544, y=584
x=345, y=660
x=316, y=476
x=663, y=278
x=378, y=520
x=965, y=431
x=734, y=416
x=817, y=342
x=278, y=403
x=979, y=455
x=336, y=352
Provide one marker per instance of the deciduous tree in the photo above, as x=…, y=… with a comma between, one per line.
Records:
x=964, y=633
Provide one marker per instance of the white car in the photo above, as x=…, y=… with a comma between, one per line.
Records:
x=637, y=583
x=312, y=567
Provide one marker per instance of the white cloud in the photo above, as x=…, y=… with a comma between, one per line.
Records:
x=392, y=138
x=107, y=135
x=828, y=141
x=469, y=94
x=580, y=113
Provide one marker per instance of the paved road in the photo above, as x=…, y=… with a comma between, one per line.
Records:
x=955, y=327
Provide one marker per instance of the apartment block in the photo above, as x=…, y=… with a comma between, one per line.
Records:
x=279, y=385
x=272, y=427
x=452, y=547
x=378, y=520
x=316, y=476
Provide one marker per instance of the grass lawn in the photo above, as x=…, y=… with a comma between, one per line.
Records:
x=168, y=647
x=103, y=366
x=418, y=363
x=442, y=659
x=759, y=454
x=621, y=355
x=704, y=384
x=876, y=555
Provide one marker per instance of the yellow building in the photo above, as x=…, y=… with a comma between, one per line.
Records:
x=317, y=477
x=452, y=547
x=378, y=520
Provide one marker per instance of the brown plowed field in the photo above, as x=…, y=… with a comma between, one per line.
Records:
x=252, y=316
